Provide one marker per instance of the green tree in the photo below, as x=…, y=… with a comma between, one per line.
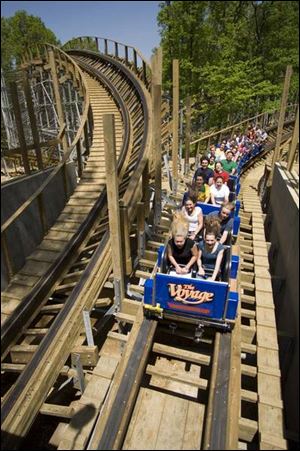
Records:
x=19, y=33
x=233, y=54
x=84, y=43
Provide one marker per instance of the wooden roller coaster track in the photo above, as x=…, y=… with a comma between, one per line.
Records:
x=136, y=377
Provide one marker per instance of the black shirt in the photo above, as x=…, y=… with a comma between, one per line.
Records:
x=182, y=256
x=206, y=173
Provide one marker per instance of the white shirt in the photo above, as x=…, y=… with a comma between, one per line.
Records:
x=219, y=194
x=193, y=218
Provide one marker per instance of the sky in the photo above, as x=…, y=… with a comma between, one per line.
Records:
x=130, y=22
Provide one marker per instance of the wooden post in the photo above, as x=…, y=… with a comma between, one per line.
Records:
x=7, y=258
x=42, y=213
x=57, y=96
x=187, y=135
x=140, y=219
x=295, y=141
x=19, y=124
x=175, y=123
x=145, y=189
x=79, y=158
x=113, y=207
x=127, y=263
x=156, y=112
x=86, y=139
x=32, y=119
x=284, y=98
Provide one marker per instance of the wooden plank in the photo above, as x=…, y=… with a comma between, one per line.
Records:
x=182, y=354
x=175, y=79
x=234, y=386
x=61, y=236
x=55, y=410
x=265, y=316
x=8, y=305
x=267, y=358
x=264, y=299
x=88, y=354
x=261, y=261
x=32, y=118
x=271, y=441
x=263, y=285
x=283, y=105
x=119, y=337
x=151, y=255
x=269, y=386
x=106, y=367
x=248, y=333
x=22, y=353
x=248, y=313
x=147, y=263
x=156, y=130
x=19, y=125
x=171, y=430
x=184, y=377
x=51, y=245
x=249, y=348
x=270, y=420
x=124, y=317
x=247, y=429
x=249, y=396
x=130, y=306
x=267, y=337
x=193, y=435
x=113, y=202
x=144, y=426
x=248, y=299
x=249, y=370
x=142, y=274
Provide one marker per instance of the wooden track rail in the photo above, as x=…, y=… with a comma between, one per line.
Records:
x=143, y=371
x=142, y=431
x=68, y=321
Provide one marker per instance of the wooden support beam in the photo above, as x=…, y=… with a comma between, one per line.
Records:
x=113, y=206
x=156, y=112
x=187, y=135
x=141, y=229
x=145, y=189
x=33, y=124
x=293, y=145
x=7, y=257
x=60, y=112
x=178, y=377
x=175, y=123
x=284, y=98
x=19, y=124
x=124, y=221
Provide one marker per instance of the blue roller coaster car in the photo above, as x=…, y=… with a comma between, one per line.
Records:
x=191, y=299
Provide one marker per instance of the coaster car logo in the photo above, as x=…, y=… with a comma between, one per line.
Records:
x=182, y=293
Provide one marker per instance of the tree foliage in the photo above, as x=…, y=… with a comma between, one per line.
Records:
x=85, y=43
x=233, y=54
x=20, y=32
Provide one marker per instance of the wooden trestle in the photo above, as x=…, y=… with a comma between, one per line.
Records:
x=166, y=403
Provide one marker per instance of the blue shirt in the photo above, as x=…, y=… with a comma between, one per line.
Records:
x=208, y=259
x=226, y=224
